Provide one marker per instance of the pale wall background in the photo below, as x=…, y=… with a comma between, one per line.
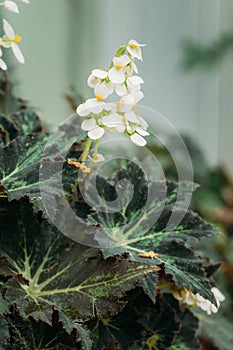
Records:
x=65, y=39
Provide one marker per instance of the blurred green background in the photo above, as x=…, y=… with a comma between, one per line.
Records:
x=63, y=40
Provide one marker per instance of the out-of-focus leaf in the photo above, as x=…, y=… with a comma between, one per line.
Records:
x=215, y=330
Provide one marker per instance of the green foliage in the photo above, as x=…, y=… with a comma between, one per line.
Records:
x=196, y=55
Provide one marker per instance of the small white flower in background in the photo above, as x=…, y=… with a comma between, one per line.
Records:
x=186, y=296
x=10, y=6
x=117, y=73
x=134, y=49
x=25, y=1
x=10, y=39
x=3, y=65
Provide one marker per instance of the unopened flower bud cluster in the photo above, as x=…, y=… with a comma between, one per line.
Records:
x=121, y=78
x=10, y=39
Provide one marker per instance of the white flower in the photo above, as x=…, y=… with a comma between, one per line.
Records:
x=94, y=105
x=125, y=104
x=134, y=83
x=219, y=297
x=25, y=1
x=10, y=6
x=96, y=76
x=114, y=122
x=189, y=298
x=11, y=39
x=3, y=65
x=131, y=68
x=134, y=49
x=94, y=130
x=117, y=73
x=101, y=92
x=96, y=133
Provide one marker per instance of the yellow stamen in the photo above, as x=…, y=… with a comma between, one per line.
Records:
x=17, y=38
x=134, y=106
x=118, y=66
x=124, y=120
x=133, y=46
x=118, y=105
x=99, y=98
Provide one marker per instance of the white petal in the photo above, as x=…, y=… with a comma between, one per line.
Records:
x=134, y=83
x=8, y=29
x=135, y=52
x=99, y=73
x=120, y=89
x=214, y=309
x=126, y=103
x=141, y=131
x=135, y=68
x=121, y=128
x=142, y=122
x=18, y=53
x=96, y=133
x=110, y=87
x=134, y=42
x=131, y=117
x=121, y=61
x=112, y=120
x=3, y=65
x=101, y=91
x=88, y=124
x=110, y=106
x=135, y=80
x=217, y=294
x=138, y=95
x=138, y=140
x=11, y=6
x=25, y=1
x=92, y=81
x=82, y=110
x=116, y=76
x=94, y=106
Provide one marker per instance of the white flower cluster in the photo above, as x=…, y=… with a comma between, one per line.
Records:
x=186, y=296
x=10, y=39
x=121, y=79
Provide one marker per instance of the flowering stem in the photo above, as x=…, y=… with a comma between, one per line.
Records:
x=96, y=150
x=86, y=150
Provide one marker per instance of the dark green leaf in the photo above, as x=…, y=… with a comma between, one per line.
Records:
x=48, y=268
x=4, y=332
x=26, y=121
x=37, y=335
x=140, y=226
x=19, y=165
